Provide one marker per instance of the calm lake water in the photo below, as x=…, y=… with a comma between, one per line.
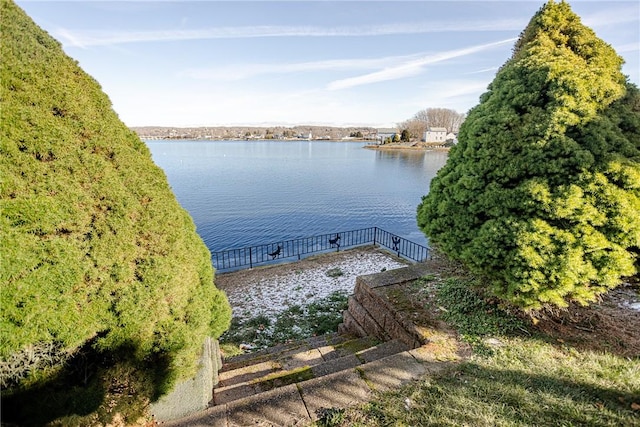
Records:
x=244, y=193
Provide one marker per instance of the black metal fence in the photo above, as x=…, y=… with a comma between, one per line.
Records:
x=234, y=259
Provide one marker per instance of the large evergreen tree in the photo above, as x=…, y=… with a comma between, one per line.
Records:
x=541, y=197
x=95, y=253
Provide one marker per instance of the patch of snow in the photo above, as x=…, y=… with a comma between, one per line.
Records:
x=269, y=296
x=633, y=305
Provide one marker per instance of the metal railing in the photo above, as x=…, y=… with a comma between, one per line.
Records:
x=235, y=259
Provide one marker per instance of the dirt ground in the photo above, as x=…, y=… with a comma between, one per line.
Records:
x=611, y=324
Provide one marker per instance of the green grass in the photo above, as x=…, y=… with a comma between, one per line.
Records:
x=474, y=316
x=525, y=383
x=528, y=380
x=230, y=349
x=334, y=272
x=330, y=417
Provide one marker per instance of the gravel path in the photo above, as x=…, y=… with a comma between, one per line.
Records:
x=270, y=290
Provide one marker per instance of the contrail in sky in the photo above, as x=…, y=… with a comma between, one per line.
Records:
x=88, y=38
x=411, y=68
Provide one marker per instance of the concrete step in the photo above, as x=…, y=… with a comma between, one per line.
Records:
x=270, y=353
x=308, y=352
x=291, y=367
x=348, y=360
x=304, y=402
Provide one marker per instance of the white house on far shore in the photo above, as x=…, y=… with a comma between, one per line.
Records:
x=435, y=135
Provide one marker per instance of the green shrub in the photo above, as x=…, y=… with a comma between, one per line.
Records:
x=541, y=195
x=95, y=247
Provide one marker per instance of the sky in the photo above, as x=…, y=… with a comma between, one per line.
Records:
x=335, y=63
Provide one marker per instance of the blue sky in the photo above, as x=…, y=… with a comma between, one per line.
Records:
x=371, y=63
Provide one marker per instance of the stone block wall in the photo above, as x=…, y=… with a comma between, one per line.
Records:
x=369, y=313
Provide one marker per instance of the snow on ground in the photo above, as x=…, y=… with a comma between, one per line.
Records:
x=300, y=283
x=633, y=305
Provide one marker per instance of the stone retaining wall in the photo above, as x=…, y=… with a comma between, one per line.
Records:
x=193, y=394
x=369, y=313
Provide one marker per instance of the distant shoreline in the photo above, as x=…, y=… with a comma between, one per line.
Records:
x=394, y=147
x=261, y=132
x=367, y=143
x=255, y=139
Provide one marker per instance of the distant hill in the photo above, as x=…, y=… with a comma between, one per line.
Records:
x=102, y=271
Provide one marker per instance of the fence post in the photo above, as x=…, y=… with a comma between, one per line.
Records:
x=250, y=258
x=375, y=232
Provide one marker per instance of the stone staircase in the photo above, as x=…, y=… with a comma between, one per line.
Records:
x=291, y=385
x=378, y=349
x=296, y=363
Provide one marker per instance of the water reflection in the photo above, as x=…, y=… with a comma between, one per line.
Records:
x=412, y=158
x=421, y=165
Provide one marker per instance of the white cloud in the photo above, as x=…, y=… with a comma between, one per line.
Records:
x=243, y=71
x=628, y=47
x=484, y=70
x=70, y=38
x=79, y=38
x=454, y=89
x=410, y=68
x=612, y=16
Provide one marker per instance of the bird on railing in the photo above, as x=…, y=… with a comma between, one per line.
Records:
x=275, y=253
x=396, y=242
x=335, y=241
